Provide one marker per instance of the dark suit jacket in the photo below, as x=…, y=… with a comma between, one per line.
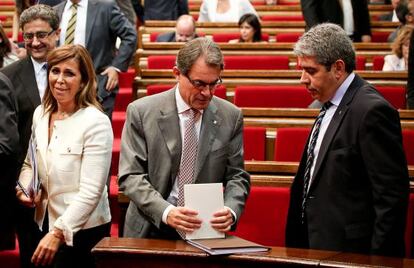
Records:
x=104, y=23
x=410, y=80
x=165, y=9
x=151, y=153
x=166, y=37
x=318, y=11
x=9, y=151
x=358, y=197
x=22, y=76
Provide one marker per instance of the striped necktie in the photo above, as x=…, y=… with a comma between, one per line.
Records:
x=311, y=156
x=188, y=157
x=70, y=30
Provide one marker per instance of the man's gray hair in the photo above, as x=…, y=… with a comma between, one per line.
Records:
x=196, y=48
x=327, y=42
x=43, y=12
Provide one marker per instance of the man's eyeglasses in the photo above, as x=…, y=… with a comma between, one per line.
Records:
x=201, y=85
x=28, y=37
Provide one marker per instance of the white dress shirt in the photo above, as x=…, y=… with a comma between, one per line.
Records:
x=80, y=30
x=336, y=100
x=348, y=15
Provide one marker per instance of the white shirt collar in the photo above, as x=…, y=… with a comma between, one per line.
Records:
x=339, y=94
x=37, y=65
x=182, y=106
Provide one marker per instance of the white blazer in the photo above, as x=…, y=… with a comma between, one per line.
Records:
x=73, y=169
x=208, y=11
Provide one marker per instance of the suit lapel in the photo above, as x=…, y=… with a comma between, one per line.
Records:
x=28, y=78
x=168, y=123
x=92, y=13
x=334, y=126
x=209, y=126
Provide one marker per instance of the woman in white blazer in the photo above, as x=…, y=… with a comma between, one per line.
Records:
x=72, y=139
x=397, y=61
x=224, y=10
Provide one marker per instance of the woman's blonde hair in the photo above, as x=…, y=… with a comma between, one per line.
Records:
x=86, y=96
x=403, y=37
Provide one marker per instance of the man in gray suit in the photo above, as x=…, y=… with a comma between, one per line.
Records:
x=185, y=30
x=153, y=149
x=98, y=24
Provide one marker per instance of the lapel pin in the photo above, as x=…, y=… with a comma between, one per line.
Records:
x=215, y=122
x=68, y=149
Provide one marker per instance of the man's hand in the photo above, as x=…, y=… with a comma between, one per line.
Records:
x=183, y=219
x=366, y=38
x=222, y=220
x=46, y=250
x=112, y=78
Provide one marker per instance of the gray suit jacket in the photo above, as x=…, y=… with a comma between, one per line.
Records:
x=151, y=152
x=104, y=23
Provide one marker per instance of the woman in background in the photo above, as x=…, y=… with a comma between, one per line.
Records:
x=224, y=10
x=398, y=60
x=250, y=29
x=72, y=139
x=6, y=54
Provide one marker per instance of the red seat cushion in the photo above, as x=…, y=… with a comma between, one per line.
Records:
x=377, y=63
x=288, y=37
x=394, y=94
x=290, y=143
x=127, y=78
x=264, y=218
x=380, y=37
x=282, y=18
x=254, y=141
x=360, y=62
x=161, y=62
x=256, y=62
x=123, y=98
x=272, y=96
x=118, y=121
x=408, y=143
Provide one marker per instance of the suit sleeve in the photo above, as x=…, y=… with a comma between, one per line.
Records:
x=237, y=180
x=310, y=12
x=133, y=169
x=122, y=28
x=383, y=156
x=363, y=20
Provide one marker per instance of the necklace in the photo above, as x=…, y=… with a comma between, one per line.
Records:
x=60, y=115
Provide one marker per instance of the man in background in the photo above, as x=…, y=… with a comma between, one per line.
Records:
x=185, y=30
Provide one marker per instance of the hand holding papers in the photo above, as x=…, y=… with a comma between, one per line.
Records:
x=206, y=199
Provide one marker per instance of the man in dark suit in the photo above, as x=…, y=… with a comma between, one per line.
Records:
x=40, y=25
x=318, y=11
x=100, y=23
x=185, y=30
x=351, y=189
x=165, y=9
x=9, y=152
x=154, y=160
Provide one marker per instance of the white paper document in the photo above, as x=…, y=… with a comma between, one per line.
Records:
x=206, y=198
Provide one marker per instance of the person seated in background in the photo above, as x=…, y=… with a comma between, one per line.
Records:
x=405, y=17
x=72, y=135
x=7, y=56
x=271, y=2
x=392, y=16
x=398, y=60
x=224, y=10
x=185, y=30
x=250, y=29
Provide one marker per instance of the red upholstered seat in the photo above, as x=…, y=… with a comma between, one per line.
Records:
x=126, y=78
x=282, y=18
x=360, y=62
x=220, y=91
x=289, y=143
x=377, y=63
x=256, y=62
x=272, y=96
x=10, y=258
x=254, y=139
x=408, y=143
x=123, y=98
x=116, y=149
x=288, y=37
x=226, y=37
x=380, y=37
x=161, y=62
x=394, y=94
x=153, y=36
x=264, y=217
x=118, y=120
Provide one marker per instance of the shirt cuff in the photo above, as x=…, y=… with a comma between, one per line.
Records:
x=234, y=215
x=165, y=213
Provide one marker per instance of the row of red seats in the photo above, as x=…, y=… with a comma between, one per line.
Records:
x=291, y=37
x=262, y=62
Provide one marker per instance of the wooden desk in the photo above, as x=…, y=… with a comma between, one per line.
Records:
x=130, y=252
